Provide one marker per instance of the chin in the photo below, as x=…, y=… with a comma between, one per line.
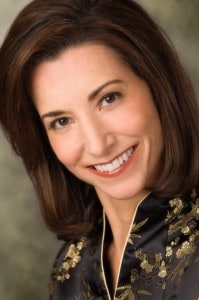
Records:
x=124, y=193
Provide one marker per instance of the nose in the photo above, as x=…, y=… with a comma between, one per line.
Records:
x=97, y=136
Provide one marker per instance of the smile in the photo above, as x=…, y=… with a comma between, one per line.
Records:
x=116, y=163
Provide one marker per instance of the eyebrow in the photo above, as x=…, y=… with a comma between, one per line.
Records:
x=92, y=96
x=100, y=88
x=52, y=114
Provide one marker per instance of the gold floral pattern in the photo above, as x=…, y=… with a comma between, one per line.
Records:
x=127, y=293
x=185, y=223
x=135, y=228
x=151, y=264
x=156, y=260
x=178, y=220
x=188, y=248
x=71, y=259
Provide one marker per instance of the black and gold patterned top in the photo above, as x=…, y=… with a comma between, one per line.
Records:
x=160, y=259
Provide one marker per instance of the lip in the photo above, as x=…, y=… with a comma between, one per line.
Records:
x=117, y=171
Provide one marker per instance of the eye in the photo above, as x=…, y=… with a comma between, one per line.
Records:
x=60, y=123
x=109, y=99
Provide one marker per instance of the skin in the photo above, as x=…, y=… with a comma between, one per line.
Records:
x=94, y=108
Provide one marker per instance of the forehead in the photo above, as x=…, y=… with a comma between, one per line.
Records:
x=84, y=55
x=87, y=65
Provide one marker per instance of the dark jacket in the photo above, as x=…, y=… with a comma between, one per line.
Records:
x=160, y=259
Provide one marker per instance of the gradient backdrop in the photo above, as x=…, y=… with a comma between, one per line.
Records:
x=27, y=249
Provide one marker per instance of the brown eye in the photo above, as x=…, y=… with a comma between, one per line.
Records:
x=109, y=99
x=60, y=123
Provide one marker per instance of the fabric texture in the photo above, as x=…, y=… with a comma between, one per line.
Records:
x=160, y=260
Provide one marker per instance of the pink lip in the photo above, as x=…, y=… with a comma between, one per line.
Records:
x=118, y=171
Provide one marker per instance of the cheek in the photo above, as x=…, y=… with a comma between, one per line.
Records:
x=136, y=124
x=156, y=143
x=134, y=117
x=66, y=150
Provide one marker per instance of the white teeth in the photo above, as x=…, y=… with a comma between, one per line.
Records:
x=116, y=163
x=129, y=152
x=104, y=168
x=120, y=160
x=110, y=167
x=99, y=168
x=125, y=156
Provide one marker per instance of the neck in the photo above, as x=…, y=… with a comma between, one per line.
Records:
x=120, y=215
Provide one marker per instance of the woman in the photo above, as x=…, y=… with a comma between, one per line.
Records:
x=94, y=99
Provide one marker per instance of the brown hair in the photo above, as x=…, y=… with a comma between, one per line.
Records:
x=40, y=32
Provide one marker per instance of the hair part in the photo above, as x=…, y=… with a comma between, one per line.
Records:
x=42, y=31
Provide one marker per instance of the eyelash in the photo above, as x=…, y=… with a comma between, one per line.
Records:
x=112, y=96
x=53, y=125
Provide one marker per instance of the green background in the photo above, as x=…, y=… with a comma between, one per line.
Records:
x=27, y=248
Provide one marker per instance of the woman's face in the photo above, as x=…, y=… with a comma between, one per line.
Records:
x=100, y=119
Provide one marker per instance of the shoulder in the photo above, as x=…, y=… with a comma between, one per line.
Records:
x=183, y=236
x=68, y=257
x=72, y=263
x=184, y=208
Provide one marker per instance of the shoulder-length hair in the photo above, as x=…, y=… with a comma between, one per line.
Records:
x=41, y=32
